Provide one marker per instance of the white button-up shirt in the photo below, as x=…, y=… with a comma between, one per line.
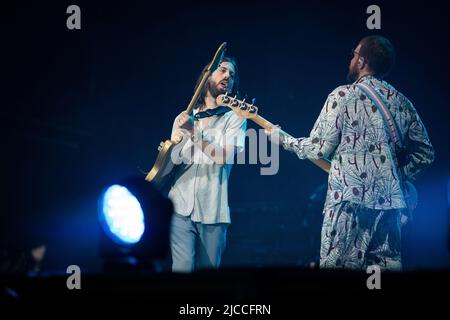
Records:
x=201, y=187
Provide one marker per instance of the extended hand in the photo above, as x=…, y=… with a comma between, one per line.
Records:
x=273, y=133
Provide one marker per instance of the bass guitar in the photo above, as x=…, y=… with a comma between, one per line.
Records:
x=164, y=167
x=249, y=111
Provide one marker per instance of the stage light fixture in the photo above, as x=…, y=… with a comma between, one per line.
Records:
x=135, y=222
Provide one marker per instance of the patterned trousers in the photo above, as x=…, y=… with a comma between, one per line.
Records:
x=354, y=237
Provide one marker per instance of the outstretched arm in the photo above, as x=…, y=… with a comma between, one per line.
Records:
x=324, y=137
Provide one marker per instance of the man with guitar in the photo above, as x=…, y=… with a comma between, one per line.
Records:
x=210, y=138
x=376, y=143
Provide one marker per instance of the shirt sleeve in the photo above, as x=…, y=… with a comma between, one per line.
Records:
x=420, y=152
x=181, y=151
x=235, y=133
x=325, y=135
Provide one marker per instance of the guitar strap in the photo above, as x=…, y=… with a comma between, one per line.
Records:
x=212, y=112
x=380, y=103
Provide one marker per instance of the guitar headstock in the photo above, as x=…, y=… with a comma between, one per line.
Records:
x=240, y=107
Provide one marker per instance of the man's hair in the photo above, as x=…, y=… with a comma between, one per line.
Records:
x=234, y=89
x=379, y=53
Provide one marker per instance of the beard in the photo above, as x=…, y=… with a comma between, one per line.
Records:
x=352, y=75
x=214, y=89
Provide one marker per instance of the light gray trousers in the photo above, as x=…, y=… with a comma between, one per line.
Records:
x=195, y=245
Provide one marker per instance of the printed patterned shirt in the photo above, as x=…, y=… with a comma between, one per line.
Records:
x=350, y=131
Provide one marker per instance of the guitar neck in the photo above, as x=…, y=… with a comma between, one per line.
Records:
x=210, y=69
x=324, y=164
x=266, y=124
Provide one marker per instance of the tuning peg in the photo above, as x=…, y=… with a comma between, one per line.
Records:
x=243, y=105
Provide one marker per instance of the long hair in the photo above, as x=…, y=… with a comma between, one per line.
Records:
x=234, y=89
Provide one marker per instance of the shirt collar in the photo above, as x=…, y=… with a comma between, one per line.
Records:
x=365, y=78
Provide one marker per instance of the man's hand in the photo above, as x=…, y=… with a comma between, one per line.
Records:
x=185, y=121
x=273, y=133
x=185, y=127
x=275, y=136
x=404, y=219
x=177, y=136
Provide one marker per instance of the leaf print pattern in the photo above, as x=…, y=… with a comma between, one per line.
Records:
x=364, y=195
x=354, y=237
x=364, y=169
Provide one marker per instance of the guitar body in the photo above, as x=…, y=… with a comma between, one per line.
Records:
x=163, y=166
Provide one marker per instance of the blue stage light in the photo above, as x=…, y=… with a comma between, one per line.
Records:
x=121, y=215
x=134, y=224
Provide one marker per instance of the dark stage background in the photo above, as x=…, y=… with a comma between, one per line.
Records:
x=83, y=108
